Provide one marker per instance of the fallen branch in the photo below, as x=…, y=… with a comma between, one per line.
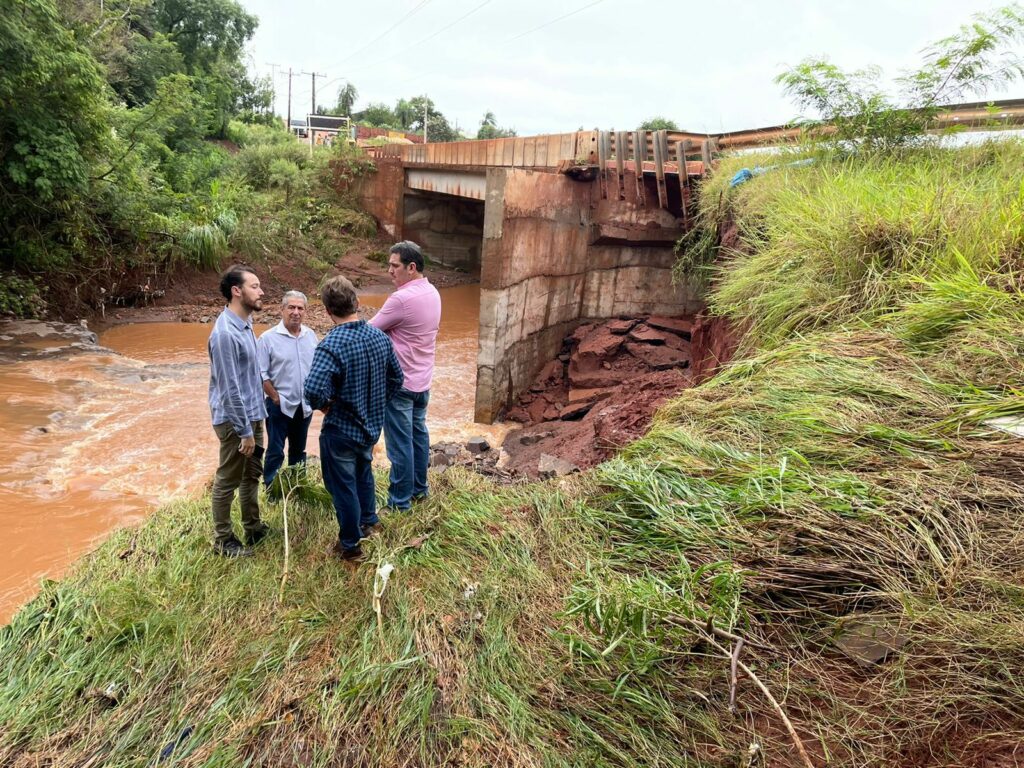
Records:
x=734, y=659
x=732, y=675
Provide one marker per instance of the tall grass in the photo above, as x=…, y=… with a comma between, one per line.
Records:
x=839, y=477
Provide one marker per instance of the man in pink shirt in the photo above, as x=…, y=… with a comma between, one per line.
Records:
x=410, y=317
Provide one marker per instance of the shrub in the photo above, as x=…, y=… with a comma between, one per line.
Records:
x=254, y=161
x=20, y=297
x=204, y=245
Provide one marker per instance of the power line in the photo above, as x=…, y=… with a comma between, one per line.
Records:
x=553, y=21
x=449, y=26
x=429, y=37
x=386, y=32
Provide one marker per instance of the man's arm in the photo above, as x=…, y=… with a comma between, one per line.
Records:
x=395, y=376
x=224, y=362
x=390, y=314
x=318, y=388
x=263, y=358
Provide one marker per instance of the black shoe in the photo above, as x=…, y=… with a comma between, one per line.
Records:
x=231, y=548
x=346, y=553
x=252, y=538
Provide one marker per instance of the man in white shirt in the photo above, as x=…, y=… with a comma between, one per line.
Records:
x=285, y=354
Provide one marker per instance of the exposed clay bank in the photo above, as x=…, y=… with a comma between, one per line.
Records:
x=101, y=431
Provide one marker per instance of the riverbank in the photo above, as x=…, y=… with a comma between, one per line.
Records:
x=812, y=558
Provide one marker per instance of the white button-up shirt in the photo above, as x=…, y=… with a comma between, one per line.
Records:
x=285, y=361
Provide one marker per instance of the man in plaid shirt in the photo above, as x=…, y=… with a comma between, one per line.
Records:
x=355, y=372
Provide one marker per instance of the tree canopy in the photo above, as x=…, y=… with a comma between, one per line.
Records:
x=658, y=123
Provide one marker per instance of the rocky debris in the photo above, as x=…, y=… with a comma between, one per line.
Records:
x=600, y=392
x=478, y=445
x=622, y=325
x=476, y=454
x=533, y=438
x=681, y=326
x=661, y=358
x=551, y=466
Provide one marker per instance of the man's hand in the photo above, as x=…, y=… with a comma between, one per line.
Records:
x=248, y=445
x=270, y=391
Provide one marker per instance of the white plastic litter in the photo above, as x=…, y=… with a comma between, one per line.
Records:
x=380, y=583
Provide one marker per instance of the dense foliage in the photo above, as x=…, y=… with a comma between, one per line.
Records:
x=116, y=145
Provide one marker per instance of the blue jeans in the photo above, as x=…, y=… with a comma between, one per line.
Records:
x=408, y=446
x=280, y=427
x=348, y=476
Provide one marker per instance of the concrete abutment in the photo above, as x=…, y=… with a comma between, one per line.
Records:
x=554, y=253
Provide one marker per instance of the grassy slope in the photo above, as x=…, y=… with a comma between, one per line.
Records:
x=840, y=469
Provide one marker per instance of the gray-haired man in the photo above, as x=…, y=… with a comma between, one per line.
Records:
x=285, y=354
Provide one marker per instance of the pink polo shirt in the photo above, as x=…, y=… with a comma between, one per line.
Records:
x=410, y=317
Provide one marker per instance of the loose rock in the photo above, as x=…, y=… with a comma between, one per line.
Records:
x=552, y=466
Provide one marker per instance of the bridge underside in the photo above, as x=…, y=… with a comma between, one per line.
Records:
x=554, y=248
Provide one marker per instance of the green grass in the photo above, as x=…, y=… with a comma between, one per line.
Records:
x=839, y=471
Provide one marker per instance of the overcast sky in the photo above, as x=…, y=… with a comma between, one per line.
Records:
x=548, y=66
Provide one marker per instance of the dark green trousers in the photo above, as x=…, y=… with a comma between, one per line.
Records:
x=236, y=472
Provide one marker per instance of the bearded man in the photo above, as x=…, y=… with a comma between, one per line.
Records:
x=238, y=411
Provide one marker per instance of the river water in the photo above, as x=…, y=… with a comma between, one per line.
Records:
x=97, y=440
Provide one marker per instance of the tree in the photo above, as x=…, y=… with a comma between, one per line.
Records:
x=347, y=99
x=204, y=30
x=284, y=174
x=405, y=114
x=438, y=127
x=378, y=115
x=489, y=128
x=658, y=123
x=53, y=127
x=860, y=113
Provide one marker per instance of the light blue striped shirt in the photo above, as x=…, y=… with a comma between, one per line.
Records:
x=284, y=362
x=236, y=388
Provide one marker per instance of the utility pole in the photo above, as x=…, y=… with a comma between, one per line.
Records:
x=425, y=102
x=289, y=99
x=314, y=75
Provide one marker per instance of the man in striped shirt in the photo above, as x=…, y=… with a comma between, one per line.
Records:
x=355, y=372
x=237, y=410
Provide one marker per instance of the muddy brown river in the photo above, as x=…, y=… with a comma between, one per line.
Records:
x=96, y=440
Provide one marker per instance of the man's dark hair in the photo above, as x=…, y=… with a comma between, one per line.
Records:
x=232, y=276
x=339, y=296
x=409, y=253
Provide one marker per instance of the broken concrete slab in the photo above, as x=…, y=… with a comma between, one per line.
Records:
x=644, y=334
x=681, y=326
x=660, y=358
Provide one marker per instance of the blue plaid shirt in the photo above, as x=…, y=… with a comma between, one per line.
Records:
x=355, y=371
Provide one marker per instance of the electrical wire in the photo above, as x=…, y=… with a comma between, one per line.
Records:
x=384, y=34
x=553, y=21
